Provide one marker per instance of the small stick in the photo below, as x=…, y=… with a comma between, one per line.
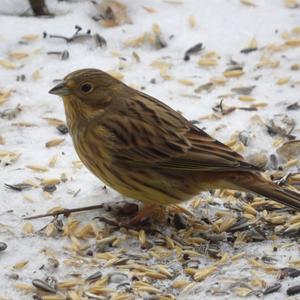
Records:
x=65, y=211
x=68, y=40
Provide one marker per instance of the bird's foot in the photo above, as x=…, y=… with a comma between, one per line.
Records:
x=140, y=219
x=142, y=216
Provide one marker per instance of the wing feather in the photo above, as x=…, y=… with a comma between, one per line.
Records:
x=153, y=134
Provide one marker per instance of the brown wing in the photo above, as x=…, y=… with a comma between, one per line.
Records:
x=153, y=134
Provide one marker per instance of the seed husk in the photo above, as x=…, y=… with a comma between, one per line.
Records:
x=233, y=73
x=282, y=81
x=54, y=142
x=192, y=21
x=94, y=296
x=20, y=265
x=106, y=240
x=202, y=274
x=48, y=181
x=238, y=256
x=207, y=62
x=145, y=287
x=28, y=228
x=293, y=42
x=246, y=98
x=69, y=284
x=23, y=286
x=248, y=2
x=37, y=168
x=54, y=297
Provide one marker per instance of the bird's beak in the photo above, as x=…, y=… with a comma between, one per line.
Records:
x=60, y=90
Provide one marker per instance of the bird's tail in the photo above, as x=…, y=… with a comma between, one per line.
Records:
x=256, y=183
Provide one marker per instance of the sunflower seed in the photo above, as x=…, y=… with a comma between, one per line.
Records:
x=293, y=290
x=43, y=285
x=62, y=128
x=242, y=224
x=50, y=188
x=269, y=260
x=294, y=106
x=95, y=276
x=204, y=87
x=290, y=272
x=197, y=48
x=248, y=50
x=243, y=90
x=117, y=277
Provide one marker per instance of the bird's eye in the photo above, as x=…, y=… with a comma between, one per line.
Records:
x=86, y=87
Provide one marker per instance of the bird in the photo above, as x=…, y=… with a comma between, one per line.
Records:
x=147, y=151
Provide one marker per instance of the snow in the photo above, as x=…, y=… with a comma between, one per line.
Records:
x=223, y=26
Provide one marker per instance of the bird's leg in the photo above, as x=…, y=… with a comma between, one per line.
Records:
x=142, y=215
x=147, y=211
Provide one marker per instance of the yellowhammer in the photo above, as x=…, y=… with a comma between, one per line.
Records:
x=145, y=150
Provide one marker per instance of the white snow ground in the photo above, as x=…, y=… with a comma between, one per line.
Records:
x=223, y=26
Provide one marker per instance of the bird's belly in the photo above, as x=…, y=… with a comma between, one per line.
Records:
x=148, y=185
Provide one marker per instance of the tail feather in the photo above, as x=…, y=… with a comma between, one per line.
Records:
x=259, y=185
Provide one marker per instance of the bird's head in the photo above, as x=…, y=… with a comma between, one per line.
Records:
x=87, y=90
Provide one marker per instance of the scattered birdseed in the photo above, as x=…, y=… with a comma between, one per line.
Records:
x=173, y=256
x=37, y=168
x=54, y=143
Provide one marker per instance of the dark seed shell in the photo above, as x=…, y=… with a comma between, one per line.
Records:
x=50, y=188
x=290, y=272
x=3, y=246
x=62, y=128
x=293, y=290
x=117, y=277
x=272, y=289
x=19, y=187
x=94, y=276
x=42, y=285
